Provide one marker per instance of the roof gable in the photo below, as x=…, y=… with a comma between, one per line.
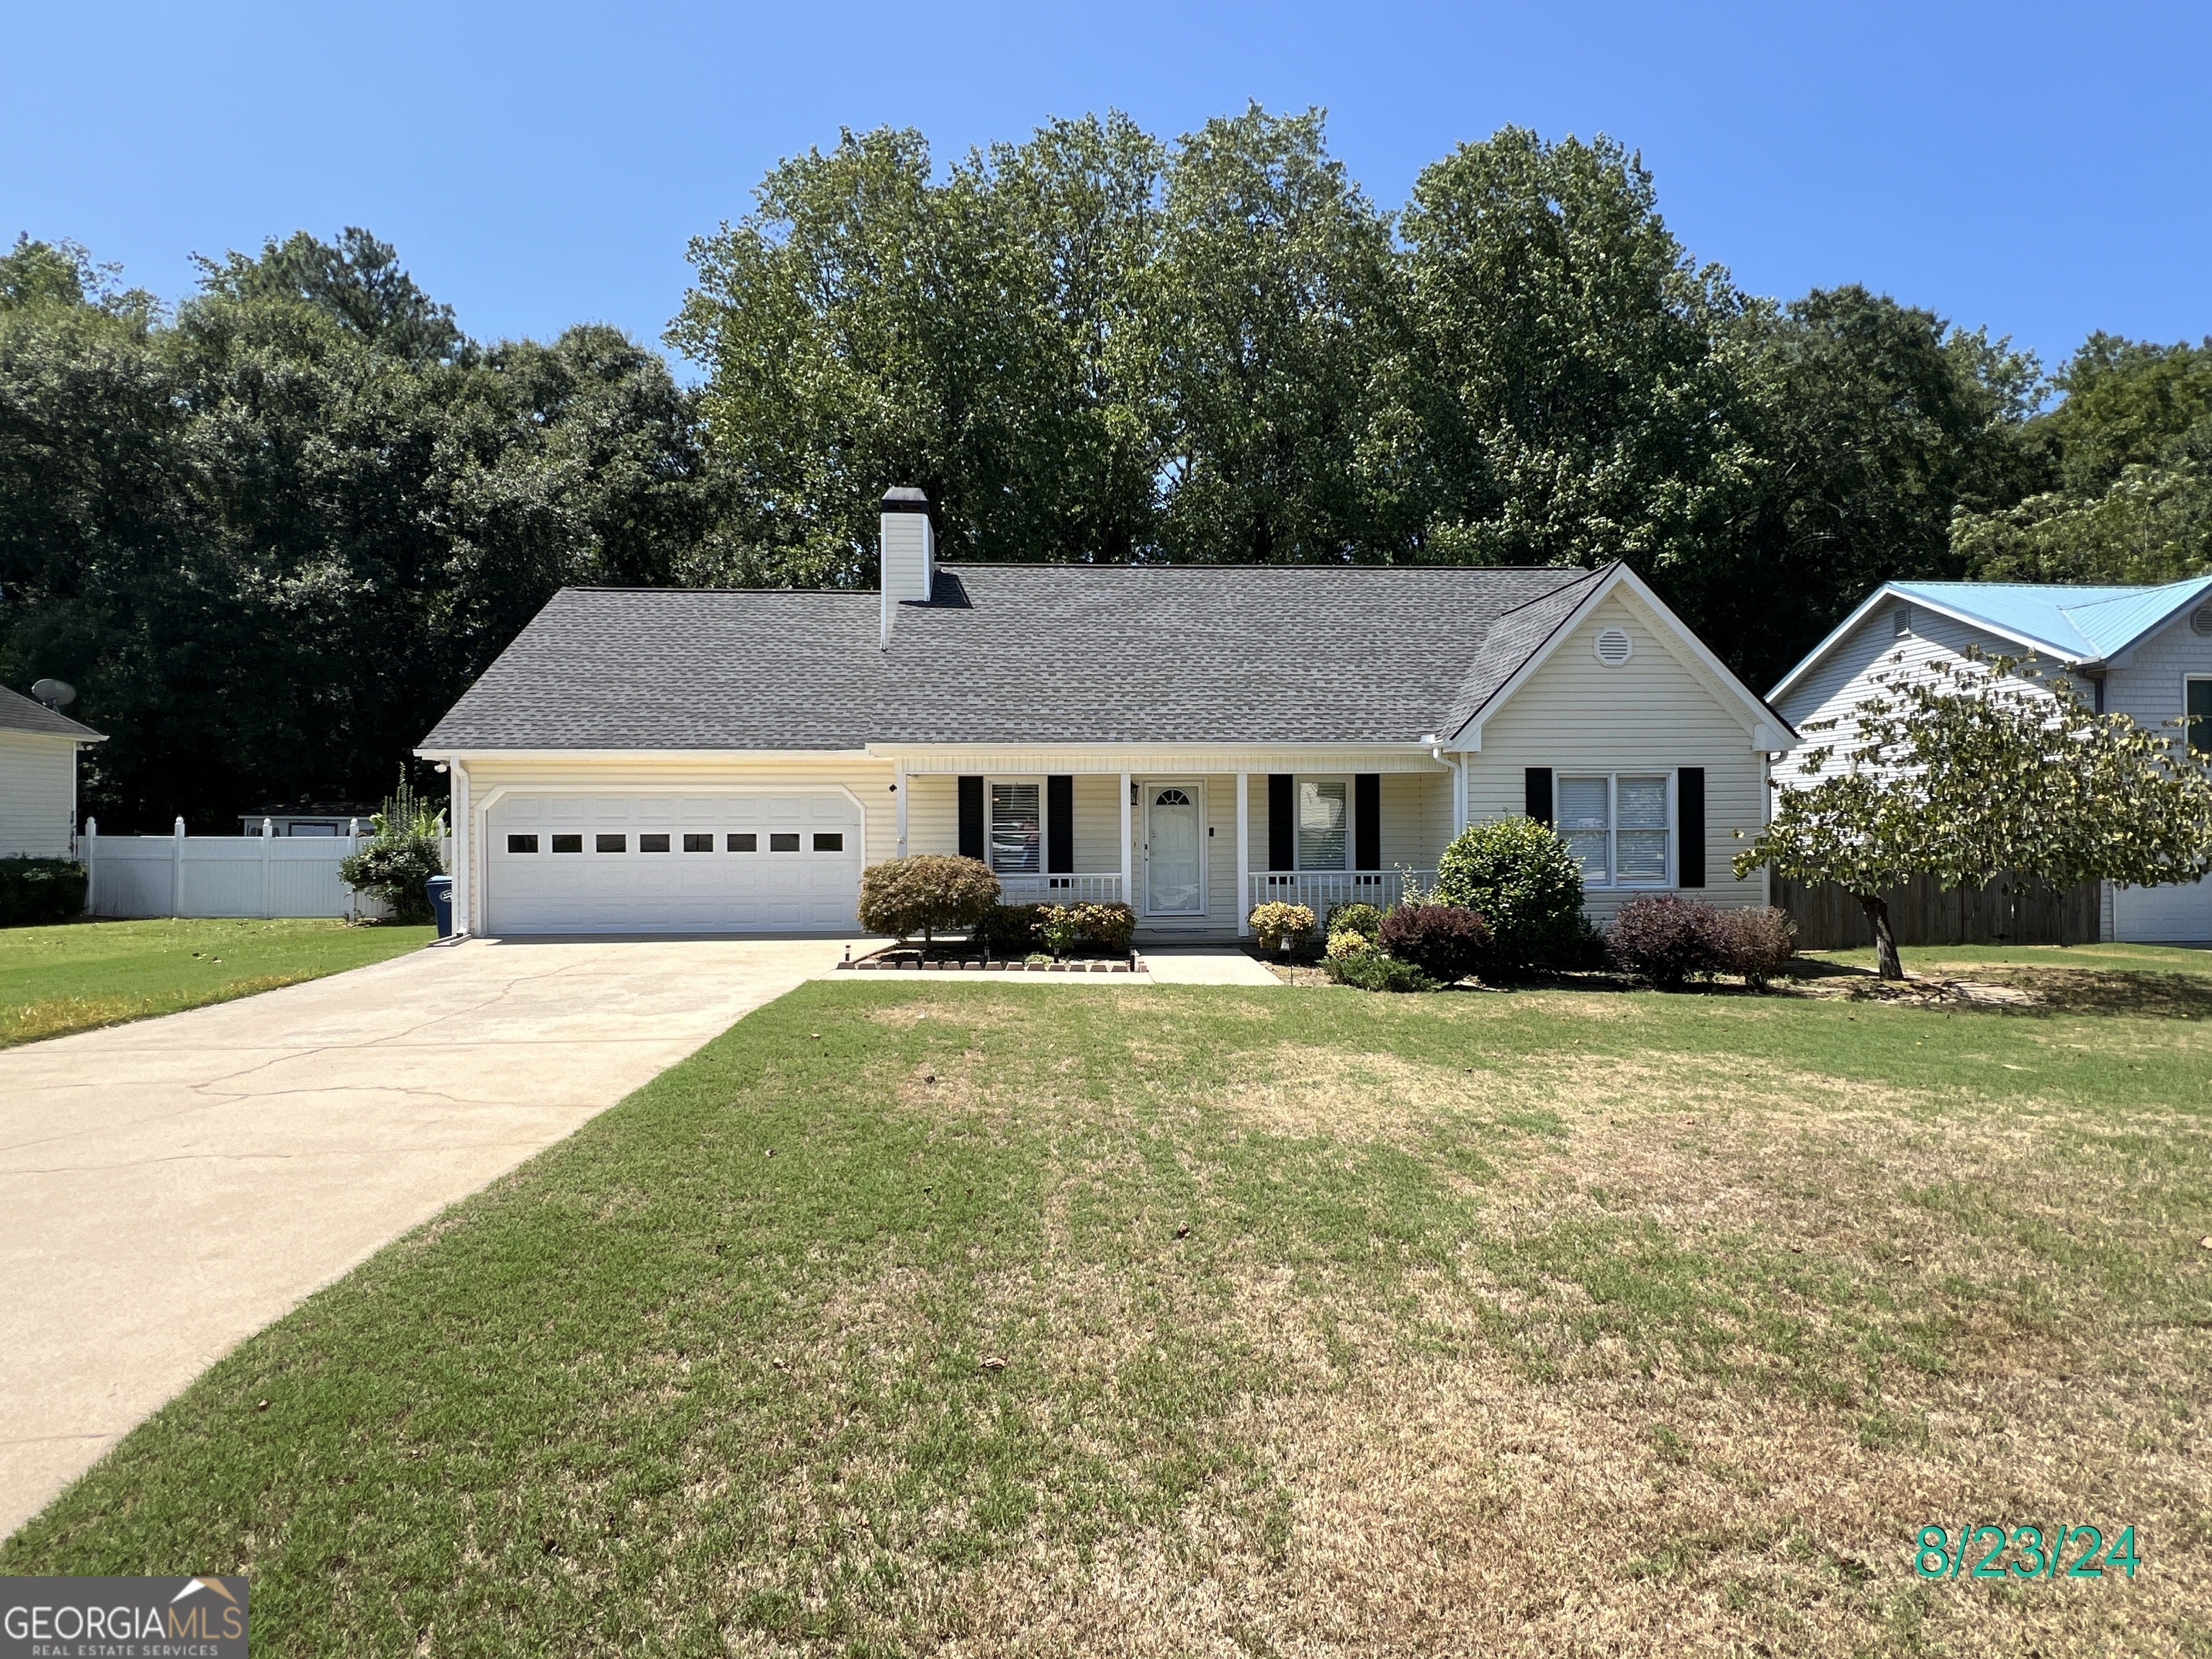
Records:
x=21, y=713
x=1558, y=619
x=2077, y=624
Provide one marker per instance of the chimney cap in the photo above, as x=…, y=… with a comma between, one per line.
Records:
x=905, y=498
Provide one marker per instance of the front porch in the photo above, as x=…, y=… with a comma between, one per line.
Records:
x=1191, y=850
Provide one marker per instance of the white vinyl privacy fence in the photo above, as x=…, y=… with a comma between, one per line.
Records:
x=182, y=875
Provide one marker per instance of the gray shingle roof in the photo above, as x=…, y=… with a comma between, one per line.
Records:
x=21, y=713
x=1012, y=653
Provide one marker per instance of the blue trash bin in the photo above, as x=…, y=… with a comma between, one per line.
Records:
x=440, y=888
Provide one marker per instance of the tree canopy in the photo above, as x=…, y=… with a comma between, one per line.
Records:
x=271, y=533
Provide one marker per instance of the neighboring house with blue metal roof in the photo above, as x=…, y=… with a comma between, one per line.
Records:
x=2145, y=652
x=1189, y=739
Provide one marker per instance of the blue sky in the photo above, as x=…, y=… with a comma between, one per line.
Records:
x=2038, y=168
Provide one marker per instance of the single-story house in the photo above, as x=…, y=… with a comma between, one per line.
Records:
x=1192, y=739
x=38, y=777
x=2145, y=652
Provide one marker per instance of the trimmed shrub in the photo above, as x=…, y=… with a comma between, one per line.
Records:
x=33, y=891
x=1521, y=879
x=1444, y=941
x=1009, y=930
x=926, y=894
x=1757, y=942
x=1364, y=920
x=1366, y=969
x=1107, y=928
x=1667, y=939
x=1277, y=923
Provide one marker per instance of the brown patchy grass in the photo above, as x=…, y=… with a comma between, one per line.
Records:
x=1553, y=1322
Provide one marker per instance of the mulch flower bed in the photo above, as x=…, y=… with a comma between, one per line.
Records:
x=895, y=960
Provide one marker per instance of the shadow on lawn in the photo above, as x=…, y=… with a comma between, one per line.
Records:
x=2143, y=993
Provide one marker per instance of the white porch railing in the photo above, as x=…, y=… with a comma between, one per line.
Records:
x=1321, y=890
x=1060, y=890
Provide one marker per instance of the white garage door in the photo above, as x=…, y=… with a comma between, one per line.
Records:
x=672, y=864
x=2163, y=915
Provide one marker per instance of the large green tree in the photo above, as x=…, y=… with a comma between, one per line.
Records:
x=271, y=538
x=2128, y=458
x=1568, y=400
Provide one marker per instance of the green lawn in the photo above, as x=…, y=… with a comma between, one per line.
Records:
x=79, y=975
x=973, y=1319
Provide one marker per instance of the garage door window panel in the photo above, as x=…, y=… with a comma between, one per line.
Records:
x=653, y=843
x=744, y=843
x=568, y=843
x=522, y=843
x=698, y=843
x=831, y=841
x=610, y=843
x=781, y=842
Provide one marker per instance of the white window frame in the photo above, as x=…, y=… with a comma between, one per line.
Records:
x=1044, y=821
x=1613, y=882
x=1351, y=826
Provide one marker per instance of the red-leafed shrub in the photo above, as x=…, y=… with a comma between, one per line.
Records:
x=927, y=894
x=1667, y=940
x=1447, y=942
x=1758, y=942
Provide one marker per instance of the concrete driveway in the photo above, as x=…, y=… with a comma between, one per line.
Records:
x=168, y=1188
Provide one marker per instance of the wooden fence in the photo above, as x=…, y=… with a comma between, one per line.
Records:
x=2006, y=911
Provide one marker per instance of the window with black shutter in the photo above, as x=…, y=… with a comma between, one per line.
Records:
x=1282, y=823
x=1060, y=824
x=971, y=817
x=1536, y=793
x=1367, y=821
x=1690, y=821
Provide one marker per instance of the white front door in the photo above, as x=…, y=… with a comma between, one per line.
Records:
x=1175, y=850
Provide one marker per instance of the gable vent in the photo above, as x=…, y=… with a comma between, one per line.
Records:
x=2200, y=620
x=1614, y=646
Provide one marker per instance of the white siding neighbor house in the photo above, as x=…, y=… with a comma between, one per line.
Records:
x=1192, y=740
x=38, y=777
x=2145, y=652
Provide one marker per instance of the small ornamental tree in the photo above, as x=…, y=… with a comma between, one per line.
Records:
x=926, y=893
x=1986, y=766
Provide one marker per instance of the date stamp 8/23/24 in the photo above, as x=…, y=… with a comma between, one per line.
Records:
x=2075, y=1552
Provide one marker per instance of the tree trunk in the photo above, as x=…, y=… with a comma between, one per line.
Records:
x=1886, y=964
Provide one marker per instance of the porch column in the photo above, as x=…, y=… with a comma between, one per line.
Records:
x=1243, y=854
x=1128, y=884
x=463, y=893
x=898, y=802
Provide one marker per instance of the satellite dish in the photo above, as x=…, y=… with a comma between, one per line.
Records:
x=55, y=694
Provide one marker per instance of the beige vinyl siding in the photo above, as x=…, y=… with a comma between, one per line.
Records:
x=1097, y=824
x=38, y=795
x=1417, y=819
x=933, y=815
x=1657, y=712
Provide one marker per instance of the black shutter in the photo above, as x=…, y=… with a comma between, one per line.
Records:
x=1367, y=821
x=1060, y=824
x=971, y=817
x=1690, y=808
x=1536, y=794
x=1282, y=839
